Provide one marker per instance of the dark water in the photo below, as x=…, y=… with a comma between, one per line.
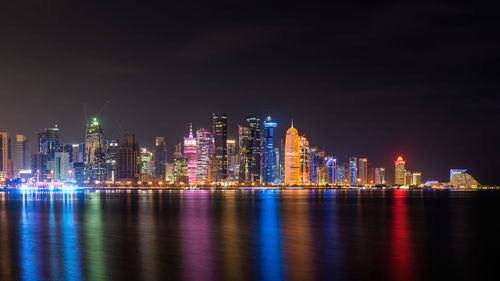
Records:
x=249, y=235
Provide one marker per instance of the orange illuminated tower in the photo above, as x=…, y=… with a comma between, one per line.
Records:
x=292, y=156
x=400, y=171
x=304, y=160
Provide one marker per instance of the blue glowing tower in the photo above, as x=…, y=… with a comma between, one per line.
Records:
x=268, y=160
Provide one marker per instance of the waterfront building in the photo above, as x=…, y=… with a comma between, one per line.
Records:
x=463, y=180
x=347, y=173
x=95, y=151
x=363, y=171
x=331, y=165
x=22, y=162
x=232, y=161
x=278, y=165
x=180, y=171
x=399, y=171
x=127, y=164
x=63, y=170
x=341, y=179
x=353, y=170
x=204, y=143
x=304, y=160
x=191, y=155
x=292, y=156
x=269, y=159
x=313, y=165
x=417, y=178
x=111, y=159
x=256, y=150
x=5, y=156
x=146, y=162
x=456, y=171
x=379, y=176
x=408, y=179
x=169, y=172
x=219, y=124
x=245, y=145
x=48, y=134
x=159, y=157
x=38, y=166
x=323, y=175
x=177, y=151
x=76, y=152
x=282, y=160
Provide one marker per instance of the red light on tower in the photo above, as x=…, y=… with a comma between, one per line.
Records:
x=400, y=160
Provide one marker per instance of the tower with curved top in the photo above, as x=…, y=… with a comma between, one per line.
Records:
x=292, y=156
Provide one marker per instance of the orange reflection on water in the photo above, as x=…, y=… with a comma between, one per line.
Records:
x=401, y=252
x=230, y=239
x=297, y=239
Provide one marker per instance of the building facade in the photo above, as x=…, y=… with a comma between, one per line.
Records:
x=204, y=144
x=292, y=157
x=363, y=171
x=22, y=154
x=191, y=155
x=399, y=171
x=268, y=150
x=5, y=156
x=219, y=124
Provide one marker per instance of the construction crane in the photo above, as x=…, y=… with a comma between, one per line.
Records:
x=85, y=113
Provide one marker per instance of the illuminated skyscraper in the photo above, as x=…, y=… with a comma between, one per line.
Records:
x=331, y=164
x=379, y=176
x=399, y=168
x=63, y=166
x=5, y=156
x=146, y=164
x=232, y=161
x=191, y=155
x=48, y=134
x=111, y=155
x=219, y=123
x=95, y=162
x=256, y=150
x=203, y=147
x=268, y=159
x=160, y=157
x=417, y=178
x=245, y=144
x=292, y=156
x=363, y=171
x=408, y=179
x=353, y=170
x=22, y=154
x=304, y=160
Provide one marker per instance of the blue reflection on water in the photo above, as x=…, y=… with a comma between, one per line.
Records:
x=269, y=238
x=54, y=254
x=30, y=245
x=71, y=255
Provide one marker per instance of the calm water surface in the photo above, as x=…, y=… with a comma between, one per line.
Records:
x=249, y=235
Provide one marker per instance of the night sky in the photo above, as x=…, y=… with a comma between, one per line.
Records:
x=371, y=80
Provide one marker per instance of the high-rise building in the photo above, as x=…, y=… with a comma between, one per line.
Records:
x=363, y=171
x=457, y=171
x=399, y=171
x=204, y=142
x=38, y=166
x=95, y=152
x=408, y=179
x=269, y=159
x=180, y=170
x=282, y=161
x=277, y=165
x=219, y=123
x=63, y=170
x=353, y=170
x=292, y=156
x=160, y=157
x=232, y=161
x=22, y=154
x=127, y=159
x=5, y=156
x=304, y=160
x=191, y=155
x=331, y=164
x=146, y=164
x=341, y=179
x=256, y=150
x=245, y=145
x=111, y=158
x=178, y=151
x=417, y=178
x=379, y=176
x=48, y=134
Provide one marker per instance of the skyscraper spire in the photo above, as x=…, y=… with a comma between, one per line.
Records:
x=191, y=130
x=292, y=122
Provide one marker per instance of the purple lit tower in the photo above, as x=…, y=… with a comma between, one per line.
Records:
x=191, y=154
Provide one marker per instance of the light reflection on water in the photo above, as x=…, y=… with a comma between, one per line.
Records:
x=245, y=235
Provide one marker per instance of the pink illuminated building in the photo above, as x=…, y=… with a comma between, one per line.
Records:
x=190, y=154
